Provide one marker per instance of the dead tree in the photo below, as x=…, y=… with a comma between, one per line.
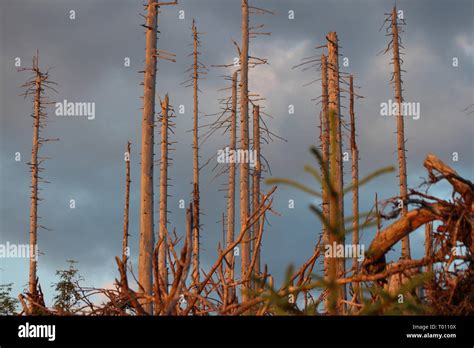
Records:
x=244, y=145
x=146, y=243
x=163, y=227
x=455, y=216
x=246, y=61
x=355, y=180
x=231, y=194
x=125, y=248
x=324, y=139
x=36, y=87
x=337, y=169
x=196, y=198
x=395, y=45
x=256, y=178
x=328, y=133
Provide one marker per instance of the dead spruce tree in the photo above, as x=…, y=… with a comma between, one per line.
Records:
x=324, y=139
x=163, y=224
x=230, y=296
x=355, y=183
x=36, y=87
x=125, y=247
x=244, y=61
x=336, y=168
x=244, y=143
x=227, y=123
x=328, y=172
x=147, y=242
x=198, y=70
x=395, y=44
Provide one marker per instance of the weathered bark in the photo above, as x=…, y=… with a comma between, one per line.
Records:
x=355, y=182
x=256, y=177
x=196, y=198
x=337, y=169
x=244, y=145
x=400, y=129
x=125, y=250
x=163, y=227
x=146, y=243
x=231, y=193
x=324, y=116
x=332, y=302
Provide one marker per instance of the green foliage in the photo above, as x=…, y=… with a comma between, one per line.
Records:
x=67, y=288
x=326, y=178
x=386, y=303
x=7, y=302
x=327, y=181
x=279, y=302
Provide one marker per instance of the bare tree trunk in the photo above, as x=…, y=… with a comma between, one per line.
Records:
x=334, y=105
x=196, y=227
x=332, y=303
x=244, y=141
x=33, y=280
x=231, y=193
x=125, y=249
x=400, y=129
x=146, y=179
x=257, y=173
x=36, y=87
x=163, y=230
x=325, y=149
x=355, y=184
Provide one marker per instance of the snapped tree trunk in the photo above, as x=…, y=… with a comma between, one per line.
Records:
x=244, y=146
x=231, y=194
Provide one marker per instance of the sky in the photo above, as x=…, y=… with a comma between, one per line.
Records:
x=86, y=56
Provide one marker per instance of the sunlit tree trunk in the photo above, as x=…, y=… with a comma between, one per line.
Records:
x=400, y=128
x=147, y=241
x=244, y=146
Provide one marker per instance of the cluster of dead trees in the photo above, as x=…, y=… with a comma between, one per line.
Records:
x=170, y=279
